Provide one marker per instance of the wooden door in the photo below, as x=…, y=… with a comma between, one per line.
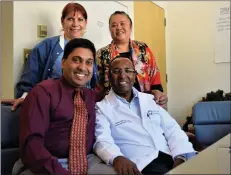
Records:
x=149, y=27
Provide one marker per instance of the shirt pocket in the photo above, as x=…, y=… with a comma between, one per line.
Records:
x=154, y=117
x=156, y=122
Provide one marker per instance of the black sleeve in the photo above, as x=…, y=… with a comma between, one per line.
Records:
x=155, y=87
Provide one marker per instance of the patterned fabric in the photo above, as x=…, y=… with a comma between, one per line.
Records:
x=78, y=150
x=143, y=59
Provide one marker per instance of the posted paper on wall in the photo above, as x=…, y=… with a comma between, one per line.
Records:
x=222, y=33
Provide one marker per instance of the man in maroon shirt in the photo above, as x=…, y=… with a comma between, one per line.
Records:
x=47, y=116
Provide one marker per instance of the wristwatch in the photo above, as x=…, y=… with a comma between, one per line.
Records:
x=182, y=158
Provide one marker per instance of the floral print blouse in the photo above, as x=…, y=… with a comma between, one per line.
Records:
x=148, y=75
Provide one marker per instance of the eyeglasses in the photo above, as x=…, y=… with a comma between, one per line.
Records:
x=126, y=71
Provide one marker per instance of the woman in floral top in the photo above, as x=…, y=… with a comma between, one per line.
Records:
x=148, y=76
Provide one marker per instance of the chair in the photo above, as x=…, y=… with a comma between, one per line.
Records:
x=9, y=138
x=211, y=121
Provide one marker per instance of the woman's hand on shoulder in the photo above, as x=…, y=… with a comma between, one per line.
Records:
x=16, y=103
x=160, y=98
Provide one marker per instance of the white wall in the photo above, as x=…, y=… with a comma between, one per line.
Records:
x=29, y=14
x=190, y=56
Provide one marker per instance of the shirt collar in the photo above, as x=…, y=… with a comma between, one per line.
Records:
x=70, y=88
x=134, y=93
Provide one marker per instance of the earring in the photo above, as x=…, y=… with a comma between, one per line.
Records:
x=84, y=31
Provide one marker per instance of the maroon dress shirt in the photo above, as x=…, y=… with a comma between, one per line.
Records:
x=45, y=125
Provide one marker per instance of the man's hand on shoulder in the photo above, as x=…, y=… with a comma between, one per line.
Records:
x=123, y=165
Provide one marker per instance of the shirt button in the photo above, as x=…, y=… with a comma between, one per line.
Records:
x=49, y=70
x=57, y=53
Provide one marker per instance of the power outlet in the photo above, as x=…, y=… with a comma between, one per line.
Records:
x=26, y=54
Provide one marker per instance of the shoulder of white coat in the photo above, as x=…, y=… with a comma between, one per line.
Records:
x=146, y=96
x=103, y=104
x=148, y=99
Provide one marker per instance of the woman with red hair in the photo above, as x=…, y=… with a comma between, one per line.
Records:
x=44, y=62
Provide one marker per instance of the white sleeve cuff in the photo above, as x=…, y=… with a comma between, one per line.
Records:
x=112, y=159
x=107, y=152
x=24, y=95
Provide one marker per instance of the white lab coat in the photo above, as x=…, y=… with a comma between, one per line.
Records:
x=119, y=131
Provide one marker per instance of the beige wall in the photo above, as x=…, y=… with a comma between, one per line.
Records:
x=7, y=86
x=190, y=55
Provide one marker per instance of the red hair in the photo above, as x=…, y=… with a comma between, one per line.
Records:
x=73, y=7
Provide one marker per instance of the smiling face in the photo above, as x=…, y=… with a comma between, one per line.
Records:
x=120, y=28
x=122, y=76
x=78, y=67
x=74, y=25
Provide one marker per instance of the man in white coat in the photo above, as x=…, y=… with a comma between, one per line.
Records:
x=133, y=133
